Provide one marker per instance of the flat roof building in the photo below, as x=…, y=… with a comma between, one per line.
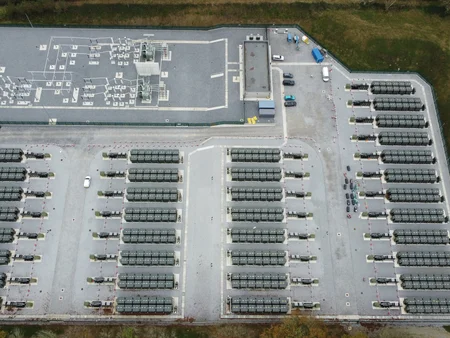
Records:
x=257, y=69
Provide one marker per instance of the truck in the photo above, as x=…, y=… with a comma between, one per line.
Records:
x=317, y=55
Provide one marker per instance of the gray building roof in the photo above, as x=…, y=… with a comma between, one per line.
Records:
x=256, y=60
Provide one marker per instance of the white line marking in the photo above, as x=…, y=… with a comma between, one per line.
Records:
x=48, y=53
x=234, y=63
x=187, y=172
x=226, y=72
x=128, y=108
x=222, y=208
x=283, y=109
x=216, y=75
x=271, y=75
x=301, y=63
x=189, y=42
x=241, y=73
x=139, y=318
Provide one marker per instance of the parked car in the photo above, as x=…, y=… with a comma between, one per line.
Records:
x=325, y=74
x=348, y=202
x=290, y=104
x=352, y=196
x=345, y=186
x=348, y=168
x=348, y=209
x=347, y=196
x=289, y=98
x=351, y=185
x=288, y=75
x=276, y=57
x=288, y=82
x=87, y=182
x=346, y=180
x=353, y=202
x=355, y=209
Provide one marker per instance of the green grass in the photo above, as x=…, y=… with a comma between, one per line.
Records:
x=446, y=328
x=31, y=330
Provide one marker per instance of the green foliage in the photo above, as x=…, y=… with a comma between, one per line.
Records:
x=127, y=332
x=61, y=7
x=16, y=332
x=45, y=334
x=303, y=327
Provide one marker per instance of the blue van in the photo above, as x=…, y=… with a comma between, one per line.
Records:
x=289, y=37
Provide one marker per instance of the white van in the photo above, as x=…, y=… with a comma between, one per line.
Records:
x=325, y=74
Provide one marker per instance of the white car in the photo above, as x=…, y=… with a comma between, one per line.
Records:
x=277, y=57
x=87, y=181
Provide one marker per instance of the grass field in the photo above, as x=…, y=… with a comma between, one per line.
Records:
x=412, y=36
